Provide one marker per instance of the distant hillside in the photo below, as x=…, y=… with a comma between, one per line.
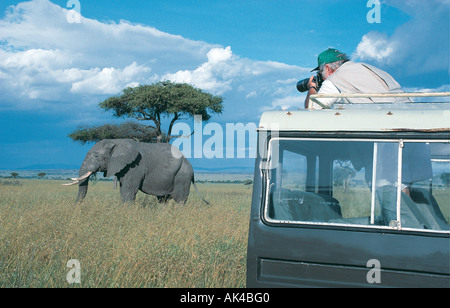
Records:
x=61, y=174
x=227, y=170
x=58, y=171
x=49, y=167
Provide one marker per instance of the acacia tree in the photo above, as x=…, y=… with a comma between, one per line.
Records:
x=445, y=178
x=154, y=102
x=128, y=130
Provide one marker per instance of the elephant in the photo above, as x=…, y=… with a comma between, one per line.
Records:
x=158, y=169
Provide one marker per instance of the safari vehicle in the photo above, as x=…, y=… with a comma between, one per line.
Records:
x=356, y=195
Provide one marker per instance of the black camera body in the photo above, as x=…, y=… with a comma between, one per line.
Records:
x=302, y=85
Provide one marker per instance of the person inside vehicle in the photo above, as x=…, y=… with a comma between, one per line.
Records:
x=340, y=75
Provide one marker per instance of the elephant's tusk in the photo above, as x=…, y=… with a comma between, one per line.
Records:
x=82, y=177
x=73, y=183
x=77, y=180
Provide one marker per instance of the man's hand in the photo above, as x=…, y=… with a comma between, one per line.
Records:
x=312, y=84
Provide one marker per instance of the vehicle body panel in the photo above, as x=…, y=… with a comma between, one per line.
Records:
x=286, y=254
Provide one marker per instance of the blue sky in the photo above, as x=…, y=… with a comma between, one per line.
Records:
x=53, y=72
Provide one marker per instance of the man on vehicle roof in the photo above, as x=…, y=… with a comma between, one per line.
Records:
x=340, y=75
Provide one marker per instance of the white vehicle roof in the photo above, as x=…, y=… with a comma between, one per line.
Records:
x=362, y=117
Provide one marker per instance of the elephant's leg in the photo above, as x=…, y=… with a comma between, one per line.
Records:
x=179, y=196
x=128, y=191
x=163, y=199
x=181, y=188
x=182, y=183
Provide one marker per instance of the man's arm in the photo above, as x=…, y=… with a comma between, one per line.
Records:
x=308, y=103
x=312, y=86
x=327, y=88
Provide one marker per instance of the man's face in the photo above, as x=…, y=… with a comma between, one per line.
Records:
x=326, y=71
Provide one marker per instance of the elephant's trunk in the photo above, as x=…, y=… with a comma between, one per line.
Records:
x=82, y=190
x=82, y=181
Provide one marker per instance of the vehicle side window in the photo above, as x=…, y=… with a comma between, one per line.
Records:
x=351, y=189
x=294, y=171
x=392, y=184
x=426, y=175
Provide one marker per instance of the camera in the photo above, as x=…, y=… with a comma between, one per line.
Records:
x=302, y=85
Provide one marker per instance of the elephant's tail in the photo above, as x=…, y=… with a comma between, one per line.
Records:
x=195, y=186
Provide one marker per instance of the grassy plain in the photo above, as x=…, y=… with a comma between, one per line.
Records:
x=356, y=201
x=145, y=244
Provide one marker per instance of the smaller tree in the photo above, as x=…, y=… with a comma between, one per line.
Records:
x=247, y=183
x=127, y=130
x=41, y=175
x=14, y=175
x=445, y=178
x=342, y=175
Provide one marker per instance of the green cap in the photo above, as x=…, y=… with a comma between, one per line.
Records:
x=328, y=56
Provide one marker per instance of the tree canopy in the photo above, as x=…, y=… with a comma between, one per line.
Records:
x=165, y=99
x=127, y=130
x=153, y=102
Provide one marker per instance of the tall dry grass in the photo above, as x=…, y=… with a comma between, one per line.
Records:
x=159, y=245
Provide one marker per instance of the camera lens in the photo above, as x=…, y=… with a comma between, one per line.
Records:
x=302, y=85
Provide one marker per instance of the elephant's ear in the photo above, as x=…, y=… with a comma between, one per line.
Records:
x=122, y=154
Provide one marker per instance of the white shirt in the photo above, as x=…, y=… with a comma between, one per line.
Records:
x=327, y=88
x=352, y=77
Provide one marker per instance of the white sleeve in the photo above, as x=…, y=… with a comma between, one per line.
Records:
x=327, y=88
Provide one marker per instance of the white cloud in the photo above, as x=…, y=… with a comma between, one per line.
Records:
x=375, y=46
x=252, y=86
x=217, y=55
x=43, y=24
x=46, y=74
x=443, y=88
x=109, y=80
x=421, y=45
x=44, y=57
x=33, y=58
x=47, y=62
x=251, y=94
x=214, y=75
x=285, y=103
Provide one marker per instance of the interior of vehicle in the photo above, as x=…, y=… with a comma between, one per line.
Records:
x=358, y=182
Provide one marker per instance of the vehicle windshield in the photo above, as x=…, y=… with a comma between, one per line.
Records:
x=379, y=183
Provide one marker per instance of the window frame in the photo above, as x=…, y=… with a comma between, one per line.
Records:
x=289, y=223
